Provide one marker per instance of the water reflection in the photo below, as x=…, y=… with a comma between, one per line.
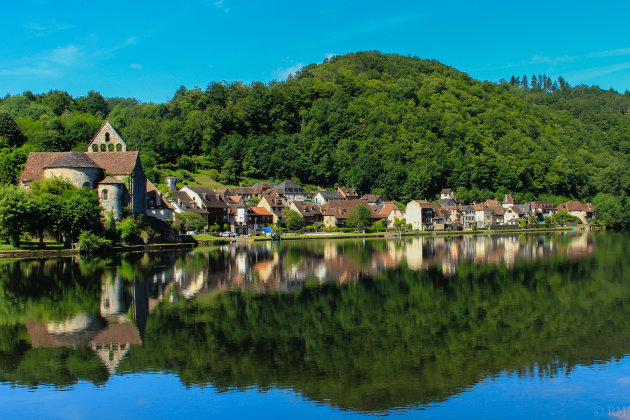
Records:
x=110, y=333
x=362, y=325
x=289, y=265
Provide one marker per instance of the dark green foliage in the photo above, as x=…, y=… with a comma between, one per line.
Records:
x=189, y=221
x=10, y=134
x=90, y=243
x=358, y=217
x=295, y=222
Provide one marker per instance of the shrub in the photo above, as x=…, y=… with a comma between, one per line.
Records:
x=90, y=243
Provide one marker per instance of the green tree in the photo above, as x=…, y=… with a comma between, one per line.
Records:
x=189, y=221
x=295, y=222
x=358, y=217
x=14, y=206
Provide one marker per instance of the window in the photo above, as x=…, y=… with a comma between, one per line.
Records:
x=106, y=137
x=104, y=195
x=95, y=148
x=110, y=147
x=119, y=147
x=103, y=149
x=86, y=185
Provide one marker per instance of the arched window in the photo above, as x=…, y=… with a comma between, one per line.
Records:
x=110, y=147
x=104, y=195
x=103, y=149
x=95, y=148
x=86, y=185
x=119, y=147
x=106, y=136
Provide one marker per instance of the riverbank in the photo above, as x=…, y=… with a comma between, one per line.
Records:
x=66, y=252
x=208, y=240
x=391, y=234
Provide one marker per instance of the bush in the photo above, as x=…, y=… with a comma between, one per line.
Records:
x=90, y=243
x=128, y=230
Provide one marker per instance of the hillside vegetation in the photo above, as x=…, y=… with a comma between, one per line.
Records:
x=398, y=126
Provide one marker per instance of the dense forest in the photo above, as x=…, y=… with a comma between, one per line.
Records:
x=394, y=125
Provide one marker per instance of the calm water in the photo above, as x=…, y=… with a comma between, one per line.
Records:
x=509, y=326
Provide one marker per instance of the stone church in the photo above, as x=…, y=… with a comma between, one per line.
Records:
x=107, y=167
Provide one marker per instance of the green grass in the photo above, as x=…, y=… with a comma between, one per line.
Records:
x=30, y=245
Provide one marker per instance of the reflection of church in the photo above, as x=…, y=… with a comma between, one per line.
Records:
x=110, y=333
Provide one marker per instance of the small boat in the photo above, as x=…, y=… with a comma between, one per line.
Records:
x=275, y=236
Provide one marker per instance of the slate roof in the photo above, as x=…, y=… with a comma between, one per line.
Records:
x=72, y=160
x=372, y=198
x=112, y=180
x=289, y=186
x=330, y=195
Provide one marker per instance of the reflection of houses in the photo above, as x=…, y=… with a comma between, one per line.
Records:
x=110, y=334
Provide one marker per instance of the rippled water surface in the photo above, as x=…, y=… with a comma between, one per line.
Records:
x=515, y=326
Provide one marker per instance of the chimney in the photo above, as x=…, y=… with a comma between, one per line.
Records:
x=171, y=183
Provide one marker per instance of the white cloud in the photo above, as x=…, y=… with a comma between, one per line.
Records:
x=135, y=66
x=66, y=56
x=594, y=72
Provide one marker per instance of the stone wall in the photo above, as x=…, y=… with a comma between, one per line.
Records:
x=79, y=177
x=114, y=199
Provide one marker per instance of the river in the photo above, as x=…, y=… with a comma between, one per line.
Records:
x=516, y=326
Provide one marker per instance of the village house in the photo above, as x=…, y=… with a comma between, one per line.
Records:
x=156, y=205
x=447, y=198
x=335, y=213
x=420, y=214
x=373, y=199
x=308, y=210
x=390, y=212
x=348, y=193
x=542, y=209
x=467, y=217
x=107, y=167
x=323, y=197
x=584, y=212
x=274, y=204
x=205, y=198
x=290, y=191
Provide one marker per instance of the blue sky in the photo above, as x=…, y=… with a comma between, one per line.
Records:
x=147, y=50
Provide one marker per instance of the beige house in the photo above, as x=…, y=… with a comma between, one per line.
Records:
x=584, y=212
x=274, y=205
x=420, y=214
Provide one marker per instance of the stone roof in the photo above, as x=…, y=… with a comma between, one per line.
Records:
x=112, y=180
x=330, y=195
x=385, y=209
x=116, y=163
x=509, y=199
x=307, y=209
x=289, y=186
x=72, y=160
x=372, y=198
x=446, y=191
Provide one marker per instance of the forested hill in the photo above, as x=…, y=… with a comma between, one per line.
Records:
x=399, y=126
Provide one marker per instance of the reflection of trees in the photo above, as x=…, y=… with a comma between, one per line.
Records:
x=401, y=338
